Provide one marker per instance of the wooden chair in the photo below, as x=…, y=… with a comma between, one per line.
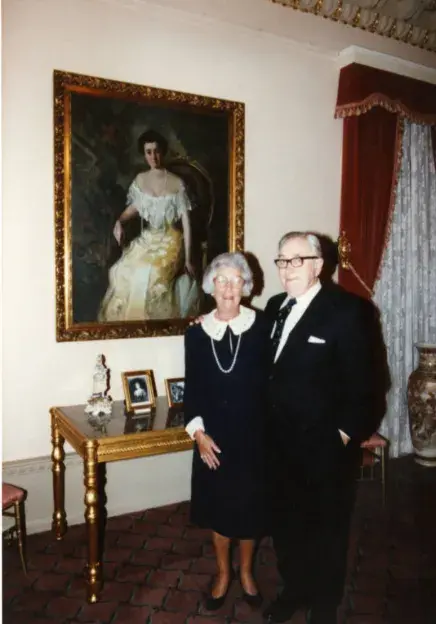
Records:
x=15, y=497
x=375, y=453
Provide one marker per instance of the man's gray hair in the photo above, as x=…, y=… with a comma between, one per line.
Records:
x=312, y=239
x=233, y=260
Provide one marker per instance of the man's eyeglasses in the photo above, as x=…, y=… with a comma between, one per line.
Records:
x=296, y=261
x=234, y=282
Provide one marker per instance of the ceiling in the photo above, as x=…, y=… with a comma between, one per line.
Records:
x=410, y=21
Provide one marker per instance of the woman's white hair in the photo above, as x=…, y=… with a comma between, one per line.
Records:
x=233, y=260
x=312, y=239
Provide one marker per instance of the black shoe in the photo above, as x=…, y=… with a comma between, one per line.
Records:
x=212, y=603
x=281, y=610
x=322, y=614
x=253, y=600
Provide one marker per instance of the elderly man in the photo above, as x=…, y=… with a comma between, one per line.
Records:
x=320, y=408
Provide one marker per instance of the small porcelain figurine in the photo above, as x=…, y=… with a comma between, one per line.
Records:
x=100, y=402
x=100, y=378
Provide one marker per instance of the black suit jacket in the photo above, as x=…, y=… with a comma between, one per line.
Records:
x=316, y=388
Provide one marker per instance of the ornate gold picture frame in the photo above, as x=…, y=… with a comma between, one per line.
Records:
x=149, y=188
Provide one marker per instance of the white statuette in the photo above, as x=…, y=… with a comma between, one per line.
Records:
x=99, y=402
x=100, y=378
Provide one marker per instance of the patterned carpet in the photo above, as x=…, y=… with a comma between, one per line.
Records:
x=157, y=566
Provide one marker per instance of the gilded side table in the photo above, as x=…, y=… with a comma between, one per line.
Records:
x=123, y=437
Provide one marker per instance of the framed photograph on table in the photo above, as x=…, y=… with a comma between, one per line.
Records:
x=139, y=390
x=149, y=188
x=175, y=390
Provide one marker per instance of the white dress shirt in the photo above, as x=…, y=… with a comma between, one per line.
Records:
x=295, y=314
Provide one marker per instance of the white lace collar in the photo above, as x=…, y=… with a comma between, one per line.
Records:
x=239, y=324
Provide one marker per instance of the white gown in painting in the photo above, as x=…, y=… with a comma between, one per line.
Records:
x=148, y=282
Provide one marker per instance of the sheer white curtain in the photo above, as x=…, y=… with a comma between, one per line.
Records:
x=406, y=290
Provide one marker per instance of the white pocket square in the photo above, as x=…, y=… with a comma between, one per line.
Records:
x=316, y=340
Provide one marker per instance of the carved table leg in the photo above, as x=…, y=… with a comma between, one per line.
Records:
x=93, y=567
x=59, y=523
x=102, y=500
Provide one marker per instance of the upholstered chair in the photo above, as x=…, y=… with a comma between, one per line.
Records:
x=14, y=498
x=375, y=453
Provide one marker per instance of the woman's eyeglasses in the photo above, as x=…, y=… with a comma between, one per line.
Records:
x=296, y=261
x=234, y=282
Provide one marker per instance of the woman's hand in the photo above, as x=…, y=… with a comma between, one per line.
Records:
x=208, y=449
x=197, y=320
x=118, y=232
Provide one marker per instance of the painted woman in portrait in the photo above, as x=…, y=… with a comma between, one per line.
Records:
x=154, y=277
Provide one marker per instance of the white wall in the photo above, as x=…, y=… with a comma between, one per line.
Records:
x=293, y=153
x=292, y=171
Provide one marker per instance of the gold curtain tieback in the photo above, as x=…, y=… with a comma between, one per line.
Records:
x=344, y=250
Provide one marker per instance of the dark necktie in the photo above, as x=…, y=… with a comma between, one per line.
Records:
x=282, y=315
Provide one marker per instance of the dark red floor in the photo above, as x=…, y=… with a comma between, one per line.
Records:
x=157, y=566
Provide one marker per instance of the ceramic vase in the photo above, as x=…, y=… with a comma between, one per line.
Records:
x=421, y=397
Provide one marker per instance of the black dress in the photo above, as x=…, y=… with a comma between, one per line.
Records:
x=229, y=500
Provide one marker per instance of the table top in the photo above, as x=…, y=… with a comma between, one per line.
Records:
x=124, y=435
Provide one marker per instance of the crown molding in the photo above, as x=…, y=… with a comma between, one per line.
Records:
x=372, y=16
x=379, y=60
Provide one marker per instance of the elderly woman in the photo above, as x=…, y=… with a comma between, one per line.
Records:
x=226, y=360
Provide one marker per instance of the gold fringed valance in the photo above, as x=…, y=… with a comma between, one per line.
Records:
x=362, y=88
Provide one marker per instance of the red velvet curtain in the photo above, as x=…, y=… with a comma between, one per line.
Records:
x=369, y=154
x=373, y=103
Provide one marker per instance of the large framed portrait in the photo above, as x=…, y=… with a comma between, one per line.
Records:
x=149, y=188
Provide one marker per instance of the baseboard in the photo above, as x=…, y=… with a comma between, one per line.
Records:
x=132, y=485
x=36, y=464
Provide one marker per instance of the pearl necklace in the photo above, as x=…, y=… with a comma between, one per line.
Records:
x=218, y=363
